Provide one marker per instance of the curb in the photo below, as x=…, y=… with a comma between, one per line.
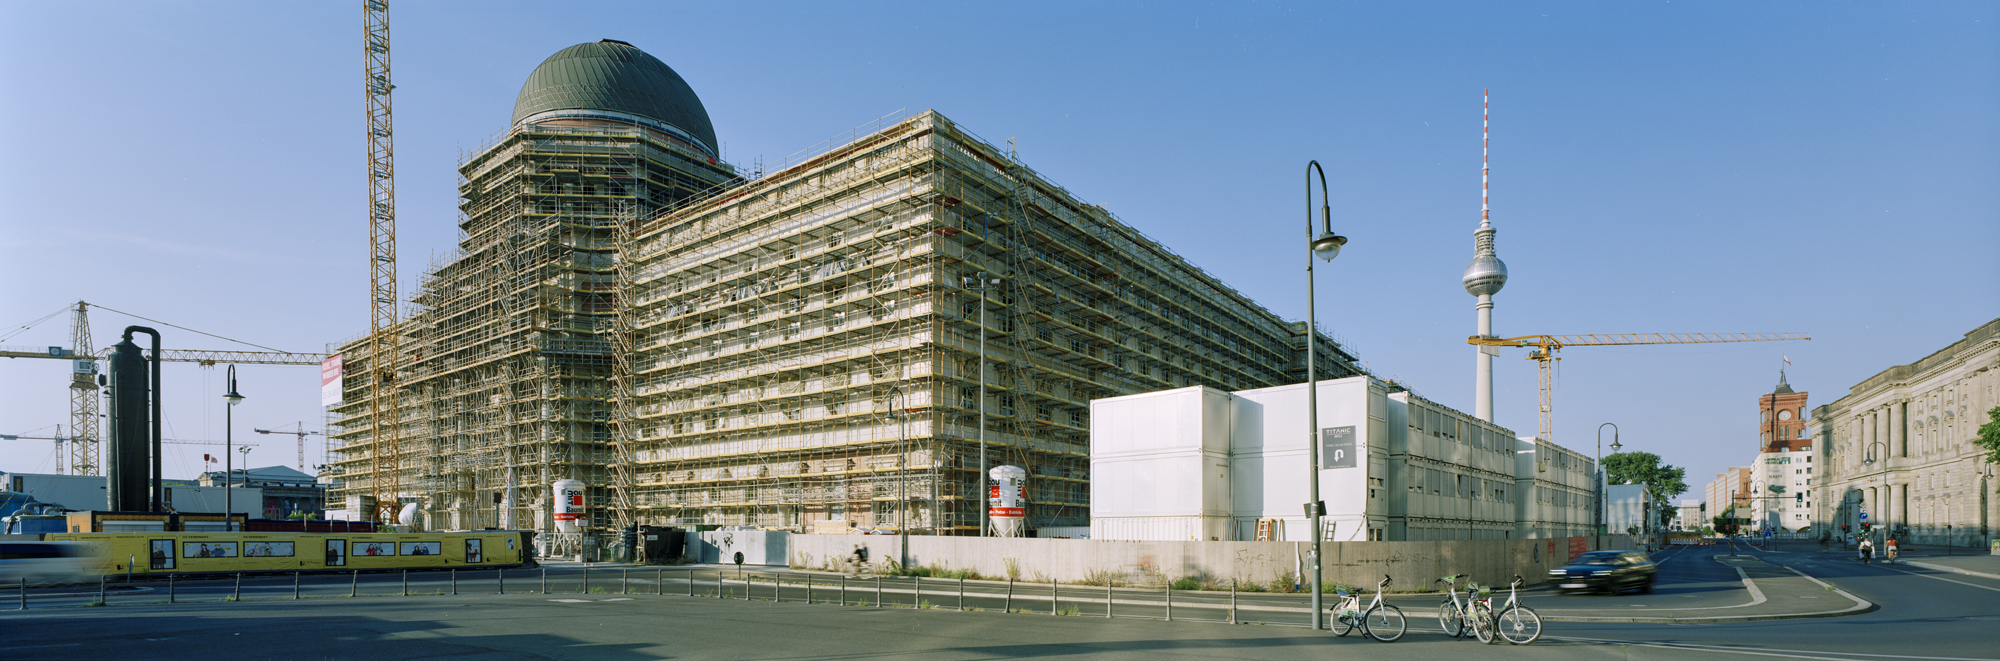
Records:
x=1860, y=606
x=1948, y=568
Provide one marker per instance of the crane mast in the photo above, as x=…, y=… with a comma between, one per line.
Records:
x=1544, y=349
x=383, y=406
x=83, y=420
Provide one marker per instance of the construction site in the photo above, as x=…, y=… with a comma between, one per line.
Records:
x=799, y=349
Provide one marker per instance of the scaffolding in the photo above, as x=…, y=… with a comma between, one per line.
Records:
x=804, y=349
x=705, y=350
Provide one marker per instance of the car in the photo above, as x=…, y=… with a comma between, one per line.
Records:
x=1607, y=571
x=48, y=563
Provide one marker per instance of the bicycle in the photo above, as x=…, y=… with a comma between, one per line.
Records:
x=1376, y=621
x=1452, y=612
x=1479, y=611
x=1516, y=623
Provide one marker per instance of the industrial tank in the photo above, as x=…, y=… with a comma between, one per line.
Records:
x=568, y=505
x=1007, y=501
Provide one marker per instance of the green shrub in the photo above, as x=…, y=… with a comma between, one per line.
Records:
x=1188, y=583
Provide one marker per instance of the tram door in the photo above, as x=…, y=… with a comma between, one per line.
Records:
x=336, y=553
x=162, y=553
x=474, y=553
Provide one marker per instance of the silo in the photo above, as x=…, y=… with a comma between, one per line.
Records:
x=1007, y=501
x=569, y=507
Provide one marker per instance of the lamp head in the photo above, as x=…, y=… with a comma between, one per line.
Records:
x=233, y=397
x=1615, y=446
x=1327, y=246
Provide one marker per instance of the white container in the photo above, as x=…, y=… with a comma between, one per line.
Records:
x=1007, y=500
x=569, y=507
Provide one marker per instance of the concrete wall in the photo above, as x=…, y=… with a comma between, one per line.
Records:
x=1412, y=564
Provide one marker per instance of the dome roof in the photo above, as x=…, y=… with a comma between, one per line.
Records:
x=614, y=77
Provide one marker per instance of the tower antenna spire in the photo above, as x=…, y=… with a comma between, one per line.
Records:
x=1485, y=140
x=1487, y=274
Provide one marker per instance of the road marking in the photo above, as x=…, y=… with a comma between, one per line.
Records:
x=1940, y=578
x=617, y=599
x=571, y=601
x=1765, y=651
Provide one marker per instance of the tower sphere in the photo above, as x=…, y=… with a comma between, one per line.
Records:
x=612, y=80
x=1485, y=276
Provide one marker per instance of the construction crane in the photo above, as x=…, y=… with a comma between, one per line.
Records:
x=1543, y=350
x=383, y=406
x=83, y=403
x=302, y=434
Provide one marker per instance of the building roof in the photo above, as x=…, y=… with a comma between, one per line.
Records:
x=614, y=76
x=1783, y=387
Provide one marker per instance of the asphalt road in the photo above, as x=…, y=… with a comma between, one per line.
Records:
x=1921, y=615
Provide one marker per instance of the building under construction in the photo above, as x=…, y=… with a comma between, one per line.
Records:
x=791, y=348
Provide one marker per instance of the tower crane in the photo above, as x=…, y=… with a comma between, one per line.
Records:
x=1543, y=350
x=302, y=434
x=384, y=408
x=83, y=402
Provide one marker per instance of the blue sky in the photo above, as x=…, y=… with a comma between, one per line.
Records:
x=1825, y=168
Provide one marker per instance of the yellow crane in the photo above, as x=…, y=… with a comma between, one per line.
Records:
x=384, y=407
x=1543, y=350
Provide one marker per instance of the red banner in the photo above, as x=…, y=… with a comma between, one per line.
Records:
x=1577, y=546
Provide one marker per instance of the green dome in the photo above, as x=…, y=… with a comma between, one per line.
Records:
x=615, y=78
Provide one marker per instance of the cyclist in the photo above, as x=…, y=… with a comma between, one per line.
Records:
x=1889, y=550
x=1867, y=550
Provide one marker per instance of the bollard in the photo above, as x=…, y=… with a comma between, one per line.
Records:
x=718, y=584
x=1055, y=597
x=501, y=575
x=878, y=591
x=24, y=593
x=624, y=581
x=843, y=589
x=659, y=582
x=586, y=582
x=918, y=600
x=128, y=568
x=170, y=589
x=454, y=581
x=1009, y=606
x=354, y=587
x=100, y=588
x=1232, y=601
x=961, y=595
x=238, y=596
x=545, y=580
x=809, y=590
x=295, y=586
x=690, y=582
x=1107, y=597
x=1170, y=602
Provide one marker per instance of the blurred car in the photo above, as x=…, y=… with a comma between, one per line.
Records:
x=1607, y=571
x=47, y=563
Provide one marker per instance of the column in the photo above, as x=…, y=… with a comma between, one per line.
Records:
x=1898, y=440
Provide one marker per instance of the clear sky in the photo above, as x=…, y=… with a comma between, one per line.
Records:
x=1819, y=167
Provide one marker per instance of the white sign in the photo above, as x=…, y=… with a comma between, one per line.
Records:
x=330, y=373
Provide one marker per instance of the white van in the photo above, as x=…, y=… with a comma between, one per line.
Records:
x=46, y=563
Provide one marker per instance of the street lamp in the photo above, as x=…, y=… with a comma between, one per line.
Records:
x=1325, y=245
x=228, y=438
x=903, y=473
x=1603, y=476
x=982, y=283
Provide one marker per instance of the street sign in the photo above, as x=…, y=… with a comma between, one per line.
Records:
x=1864, y=516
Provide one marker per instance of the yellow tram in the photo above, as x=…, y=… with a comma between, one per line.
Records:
x=233, y=552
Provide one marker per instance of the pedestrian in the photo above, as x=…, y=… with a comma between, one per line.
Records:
x=1867, y=550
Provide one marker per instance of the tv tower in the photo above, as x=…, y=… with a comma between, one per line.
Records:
x=1486, y=275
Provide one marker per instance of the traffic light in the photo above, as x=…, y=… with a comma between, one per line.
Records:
x=1846, y=528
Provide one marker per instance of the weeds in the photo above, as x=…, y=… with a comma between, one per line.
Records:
x=1068, y=610
x=925, y=605
x=1103, y=578
x=1189, y=583
x=1013, y=568
x=95, y=602
x=1285, y=583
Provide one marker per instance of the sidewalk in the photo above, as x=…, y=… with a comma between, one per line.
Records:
x=1775, y=593
x=1971, y=563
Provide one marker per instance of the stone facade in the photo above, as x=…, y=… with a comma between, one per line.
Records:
x=1899, y=447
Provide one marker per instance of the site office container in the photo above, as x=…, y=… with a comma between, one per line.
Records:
x=1159, y=466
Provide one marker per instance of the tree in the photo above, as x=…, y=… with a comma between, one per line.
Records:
x=1725, y=523
x=1989, y=436
x=1663, y=482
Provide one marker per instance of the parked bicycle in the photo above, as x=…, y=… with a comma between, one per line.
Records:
x=1381, y=621
x=1454, y=615
x=1515, y=623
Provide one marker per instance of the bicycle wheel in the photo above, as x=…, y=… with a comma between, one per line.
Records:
x=1482, y=625
x=1451, y=619
x=1520, y=625
x=1343, y=623
x=1384, y=623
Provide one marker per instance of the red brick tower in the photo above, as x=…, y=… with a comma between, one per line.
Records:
x=1783, y=413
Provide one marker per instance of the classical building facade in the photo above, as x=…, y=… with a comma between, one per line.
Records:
x=1899, y=447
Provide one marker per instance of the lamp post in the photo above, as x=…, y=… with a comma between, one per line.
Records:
x=1868, y=460
x=982, y=283
x=897, y=396
x=1324, y=245
x=228, y=438
x=1603, y=476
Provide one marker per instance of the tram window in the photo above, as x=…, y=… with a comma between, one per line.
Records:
x=267, y=549
x=473, y=554
x=376, y=549
x=208, y=549
x=163, y=553
x=336, y=552
x=422, y=548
